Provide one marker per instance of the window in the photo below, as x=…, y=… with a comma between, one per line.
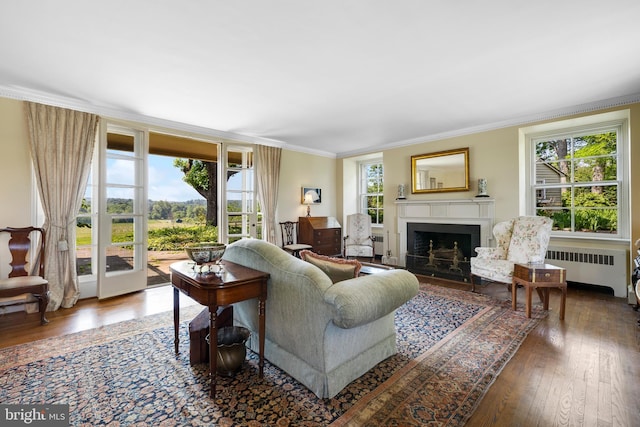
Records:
x=578, y=178
x=371, y=188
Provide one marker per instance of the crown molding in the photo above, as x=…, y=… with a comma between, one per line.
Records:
x=519, y=121
x=24, y=94
x=307, y=150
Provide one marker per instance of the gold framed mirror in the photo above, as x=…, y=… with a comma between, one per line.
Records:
x=440, y=172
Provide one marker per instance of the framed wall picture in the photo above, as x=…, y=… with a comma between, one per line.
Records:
x=311, y=195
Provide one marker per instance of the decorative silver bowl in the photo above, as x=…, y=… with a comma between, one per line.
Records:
x=206, y=254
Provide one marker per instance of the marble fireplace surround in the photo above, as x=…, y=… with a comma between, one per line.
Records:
x=478, y=211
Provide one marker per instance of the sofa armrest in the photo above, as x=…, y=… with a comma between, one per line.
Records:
x=364, y=299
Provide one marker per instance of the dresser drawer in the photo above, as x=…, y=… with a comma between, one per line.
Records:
x=326, y=236
x=330, y=250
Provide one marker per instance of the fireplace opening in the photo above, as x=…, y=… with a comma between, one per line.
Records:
x=441, y=250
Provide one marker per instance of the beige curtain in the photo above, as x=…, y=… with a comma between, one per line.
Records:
x=268, y=175
x=61, y=143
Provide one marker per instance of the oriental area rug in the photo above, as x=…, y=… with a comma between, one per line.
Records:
x=451, y=346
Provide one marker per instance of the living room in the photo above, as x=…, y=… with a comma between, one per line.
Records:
x=337, y=176
x=595, y=345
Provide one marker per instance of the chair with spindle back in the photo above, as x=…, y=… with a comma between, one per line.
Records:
x=289, y=231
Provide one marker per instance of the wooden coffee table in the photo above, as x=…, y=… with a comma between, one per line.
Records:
x=540, y=276
x=236, y=283
x=371, y=268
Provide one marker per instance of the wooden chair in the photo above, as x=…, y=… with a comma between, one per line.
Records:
x=289, y=231
x=26, y=244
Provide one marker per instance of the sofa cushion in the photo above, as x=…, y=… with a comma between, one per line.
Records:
x=338, y=269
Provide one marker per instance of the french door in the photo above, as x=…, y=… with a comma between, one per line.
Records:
x=242, y=219
x=122, y=219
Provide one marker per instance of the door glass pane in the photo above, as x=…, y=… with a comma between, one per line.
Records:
x=84, y=253
x=122, y=230
x=235, y=159
x=120, y=200
x=240, y=180
x=121, y=171
x=235, y=224
x=119, y=258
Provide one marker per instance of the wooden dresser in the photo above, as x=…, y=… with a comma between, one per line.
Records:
x=324, y=233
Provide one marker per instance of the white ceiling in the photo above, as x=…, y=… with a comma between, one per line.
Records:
x=334, y=76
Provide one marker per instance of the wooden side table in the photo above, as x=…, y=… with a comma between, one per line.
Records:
x=540, y=276
x=236, y=283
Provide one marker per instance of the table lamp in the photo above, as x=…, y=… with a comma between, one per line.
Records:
x=310, y=197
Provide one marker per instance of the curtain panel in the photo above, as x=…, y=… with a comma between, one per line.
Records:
x=61, y=144
x=268, y=177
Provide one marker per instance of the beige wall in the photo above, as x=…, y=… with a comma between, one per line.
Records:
x=493, y=155
x=299, y=170
x=16, y=195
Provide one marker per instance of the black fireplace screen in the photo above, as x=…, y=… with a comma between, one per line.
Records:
x=441, y=250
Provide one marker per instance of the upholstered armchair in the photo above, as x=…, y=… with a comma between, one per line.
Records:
x=358, y=242
x=520, y=240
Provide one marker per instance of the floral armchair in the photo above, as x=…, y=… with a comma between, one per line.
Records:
x=520, y=240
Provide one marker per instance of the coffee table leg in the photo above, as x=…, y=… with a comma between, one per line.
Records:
x=176, y=318
x=213, y=349
x=514, y=294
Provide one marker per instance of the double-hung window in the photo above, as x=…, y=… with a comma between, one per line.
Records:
x=578, y=176
x=371, y=191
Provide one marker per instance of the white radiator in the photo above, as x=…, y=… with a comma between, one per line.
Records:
x=378, y=245
x=600, y=267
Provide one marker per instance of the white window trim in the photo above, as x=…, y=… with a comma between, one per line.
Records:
x=526, y=137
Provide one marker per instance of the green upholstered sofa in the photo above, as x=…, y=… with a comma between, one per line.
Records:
x=324, y=335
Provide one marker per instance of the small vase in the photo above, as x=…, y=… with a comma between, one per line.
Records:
x=482, y=188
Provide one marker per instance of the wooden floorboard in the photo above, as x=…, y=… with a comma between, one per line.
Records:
x=583, y=371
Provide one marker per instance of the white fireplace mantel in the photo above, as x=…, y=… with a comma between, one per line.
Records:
x=478, y=211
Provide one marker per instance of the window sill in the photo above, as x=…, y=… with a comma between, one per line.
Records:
x=589, y=238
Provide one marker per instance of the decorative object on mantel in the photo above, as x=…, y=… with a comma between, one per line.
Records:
x=311, y=196
x=401, y=195
x=482, y=188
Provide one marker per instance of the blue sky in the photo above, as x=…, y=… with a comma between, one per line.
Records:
x=165, y=181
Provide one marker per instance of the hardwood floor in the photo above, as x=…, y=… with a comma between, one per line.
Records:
x=584, y=371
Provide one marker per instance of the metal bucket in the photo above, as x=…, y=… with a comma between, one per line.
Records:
x=231, y=349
